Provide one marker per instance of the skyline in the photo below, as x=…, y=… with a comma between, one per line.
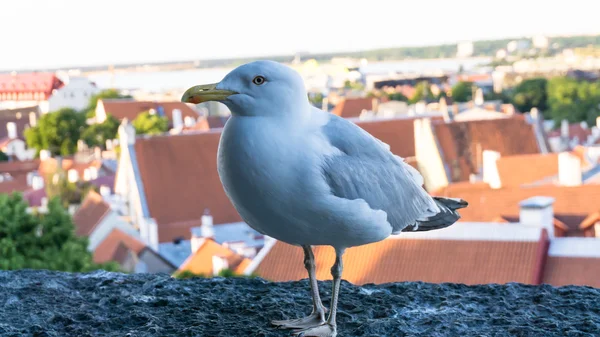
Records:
x=66, y=33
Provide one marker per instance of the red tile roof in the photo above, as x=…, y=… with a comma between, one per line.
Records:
x=91, y=212
x=575, y=130
x=108, y=249
x=125, y=108
x=561, y=271
x=427, y=260
x=572, y=204
x=398, y=133
x=528, y=168
x=18, y=170
x=459, y=142
x=352, y=107
x=183, y=183
x=201, y=261
x=29, y=83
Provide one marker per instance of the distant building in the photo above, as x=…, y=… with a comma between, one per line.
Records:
x=540, y=42
x=180, y=114
x=45, y=90
x=464, y=49
x=75, y=94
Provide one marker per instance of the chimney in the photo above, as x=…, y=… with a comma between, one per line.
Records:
x=37, y=182
x=32, y=119
x=189, y=121
x=534, y=113
x=44, y=155
x=11, y=127
x=564, y=128
x=126, y=133
x=104, y=191
x=420, y=108
x=177, y=119
x=538, y=212
x=30, y=176
x=219, y=263
x=569, y=169
x=149, y=232
x=73, y=175
x=375, y=104
x=444, y=110
x=207, y=230
x=98, y=153
x=478, y=97
x=490, y=169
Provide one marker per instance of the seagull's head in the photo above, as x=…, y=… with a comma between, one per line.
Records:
x=261, y=88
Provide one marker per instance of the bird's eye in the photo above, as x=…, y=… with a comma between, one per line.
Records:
x=258, y=80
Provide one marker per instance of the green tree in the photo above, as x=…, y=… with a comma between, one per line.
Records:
x=398, y=96
x=316, y=99
x=42, y=240
x=98, y=134
x=150, y=124
x=3, y=156
x=422, y=92
x=573, y=100
x=67, y=192
x=529, y=94
x=57, y=132
x=462, y=91
x=90, y=110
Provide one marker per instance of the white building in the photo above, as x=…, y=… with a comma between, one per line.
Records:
x=75, y=94
x=45, y=90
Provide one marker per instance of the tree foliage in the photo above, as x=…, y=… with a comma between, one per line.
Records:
x=57, y=132
x=422, y=92
x=67, y=192
x=150, y=124
x=573, y=100
x=98, y=134
x=90, y=110
x=462, y=91
x=398, y=96
x=42, y=241
x=3, y=156
x=530, y=94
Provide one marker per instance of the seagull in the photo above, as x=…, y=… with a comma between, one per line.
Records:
x=309, y=178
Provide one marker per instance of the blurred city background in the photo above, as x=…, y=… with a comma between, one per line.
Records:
x=102, y=166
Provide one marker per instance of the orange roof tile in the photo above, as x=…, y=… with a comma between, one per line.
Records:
x=201, y=261
x=352, y=107
x=562, y=271
x=398, y=133
x=125, y=108
x=427, y=260
x=93, y=209
x=106, y=251
x=459, y=142
x=572, y=204
x=184, y=182
x=50, y=165
x=528, y=168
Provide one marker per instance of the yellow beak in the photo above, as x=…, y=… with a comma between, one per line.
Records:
x=204, y=93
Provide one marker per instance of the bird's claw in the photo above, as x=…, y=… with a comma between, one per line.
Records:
x=323, y=330
x=314, y=319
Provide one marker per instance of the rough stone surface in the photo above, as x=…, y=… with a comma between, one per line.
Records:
x=42, y=303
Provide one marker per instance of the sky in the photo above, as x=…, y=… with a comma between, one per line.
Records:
x=63, y=33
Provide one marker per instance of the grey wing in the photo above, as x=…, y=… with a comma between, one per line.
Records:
x=367, y=170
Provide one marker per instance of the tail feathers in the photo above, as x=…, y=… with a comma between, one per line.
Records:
x=446, y=217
